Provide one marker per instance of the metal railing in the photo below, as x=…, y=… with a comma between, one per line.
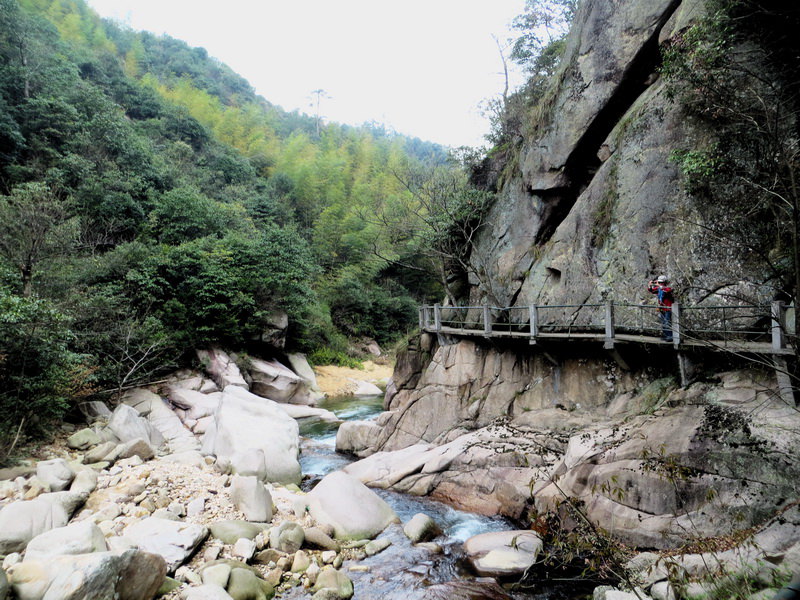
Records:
x=755, y=323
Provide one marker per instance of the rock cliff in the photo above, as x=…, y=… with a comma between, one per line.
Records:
x=594, y=202
x=591, y=206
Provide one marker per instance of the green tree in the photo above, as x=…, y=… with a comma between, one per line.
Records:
x=34, y=226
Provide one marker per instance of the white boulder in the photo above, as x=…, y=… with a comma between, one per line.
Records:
x=503, y=553
x=22, y=521
x=175, y=541
x=252, y=435
x=56, y=473
x=132, y=575
x=353, y=510
x=81, y=537
x=249, y=495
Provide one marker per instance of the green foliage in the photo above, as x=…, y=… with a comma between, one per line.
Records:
x=39, y=375
x=223, y=290
x=329, y=356
x=153, y=203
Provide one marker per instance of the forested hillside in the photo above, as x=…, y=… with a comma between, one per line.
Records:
x=152, y=203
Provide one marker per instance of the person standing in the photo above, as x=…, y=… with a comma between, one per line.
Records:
x=663, y=292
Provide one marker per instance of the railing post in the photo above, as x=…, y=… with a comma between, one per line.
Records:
x=487, y=321
x=534, y=322
x=778, y=325
x=421, y=318
x=676, y=325
x=437, y=317
x=609, y=321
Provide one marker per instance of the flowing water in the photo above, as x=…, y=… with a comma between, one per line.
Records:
x=404, y=571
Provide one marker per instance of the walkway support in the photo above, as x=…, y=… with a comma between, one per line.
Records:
x=609, y=322
x=533, y=314
x=778, y=325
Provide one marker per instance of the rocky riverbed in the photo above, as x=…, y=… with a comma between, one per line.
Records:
x=191, y=490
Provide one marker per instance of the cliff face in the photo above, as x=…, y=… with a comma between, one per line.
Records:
x=597, y=205
x=594, y=206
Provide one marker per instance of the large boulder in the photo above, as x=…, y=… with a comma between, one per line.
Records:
x=131, y=575
x=127, y=425
x=299, y=364
x=83, y=439
x=22, y=521
x=287, y=537
x=221, y=367
x=249, y=496
x=82, y=537
x=353, y=510
x=253, y=436
x=277, y=382
x=165, y=425
x=357, y=437
x=56, y=473
x=195, y=404
x=503, y=553
x=175, y=541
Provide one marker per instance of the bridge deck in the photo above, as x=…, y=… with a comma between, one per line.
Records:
x=722, y=345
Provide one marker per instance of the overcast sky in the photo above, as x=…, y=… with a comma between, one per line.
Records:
x=419, y=66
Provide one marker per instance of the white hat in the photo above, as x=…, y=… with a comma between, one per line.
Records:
x=662, y=279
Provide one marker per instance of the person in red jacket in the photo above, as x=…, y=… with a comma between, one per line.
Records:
x=661, y=288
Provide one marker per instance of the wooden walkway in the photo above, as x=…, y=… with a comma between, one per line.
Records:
x=738, y=329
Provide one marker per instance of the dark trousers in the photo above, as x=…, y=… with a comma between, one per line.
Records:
x=666, y=324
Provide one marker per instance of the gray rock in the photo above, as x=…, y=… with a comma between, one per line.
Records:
x=195, y=506
x=271, y=379
x=94, y=409
x=316, y=538
x=137, y=447
x=243, y=584
x=353, y=510
x=287, y=537
x=85, y=482
x=83, y=439
x=56, y=473
x=131, y=575
x=244, y=549
x=205, y=592
x=357, y=437
x=175, y=541
x=230, y=531
x=300, y=562
x=250, y=497
x=503, y=553
x=127, y=425
x=334, y=581
x=100, y=452
x=376, y=546
x=246, y=424
x=221, y=368
x=4, y=586
x=421, y=528
x=217, y=575
x=20, y=522
x=82, y=537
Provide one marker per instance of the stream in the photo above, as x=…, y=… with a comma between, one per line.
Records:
x=404, y=571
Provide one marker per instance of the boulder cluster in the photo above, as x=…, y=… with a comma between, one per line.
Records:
x=188, y=490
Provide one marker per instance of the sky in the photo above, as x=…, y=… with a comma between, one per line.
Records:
x=421, y=67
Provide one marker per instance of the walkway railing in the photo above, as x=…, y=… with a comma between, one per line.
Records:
x=753, y=327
